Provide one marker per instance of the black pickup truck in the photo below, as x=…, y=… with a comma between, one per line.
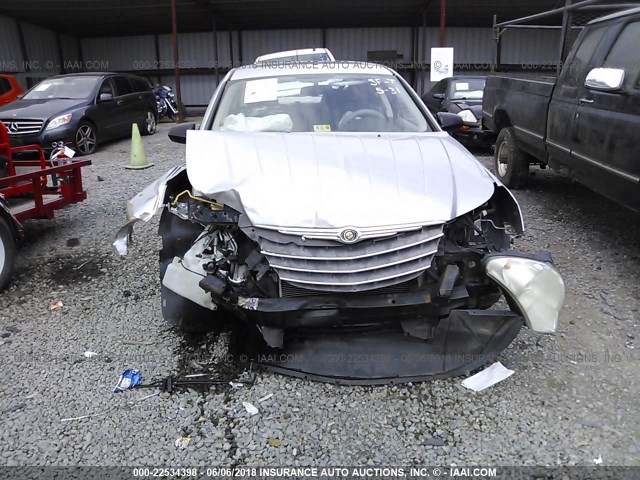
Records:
x=586, y=123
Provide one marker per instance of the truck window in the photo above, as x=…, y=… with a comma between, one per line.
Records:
x=577, y=71
x=625, y=55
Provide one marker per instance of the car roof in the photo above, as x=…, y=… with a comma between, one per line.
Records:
x=288, y=53
x=92, y=74
x=623, y=13
x=308, y=68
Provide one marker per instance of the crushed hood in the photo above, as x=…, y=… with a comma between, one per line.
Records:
x=337, y=180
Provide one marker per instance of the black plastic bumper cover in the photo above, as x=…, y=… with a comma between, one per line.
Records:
x=462, y=342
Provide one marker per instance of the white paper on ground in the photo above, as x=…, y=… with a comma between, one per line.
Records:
x=487, y=377
x=250, y=408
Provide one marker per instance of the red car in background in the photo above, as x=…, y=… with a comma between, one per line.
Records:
x=9, y=89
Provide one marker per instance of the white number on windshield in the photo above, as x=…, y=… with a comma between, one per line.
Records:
x=383, y=86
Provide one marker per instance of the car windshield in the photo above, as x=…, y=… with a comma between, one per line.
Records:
x=467, y=89
x=319, y=103
x=75, y=88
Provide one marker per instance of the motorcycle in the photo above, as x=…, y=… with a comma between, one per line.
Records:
x=166, y=101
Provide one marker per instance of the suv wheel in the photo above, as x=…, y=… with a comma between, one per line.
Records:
x=86, y=138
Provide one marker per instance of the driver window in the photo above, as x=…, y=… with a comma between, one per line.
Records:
x=106, y=87
x=624, y=54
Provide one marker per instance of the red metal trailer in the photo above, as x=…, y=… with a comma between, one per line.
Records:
x=46, y=186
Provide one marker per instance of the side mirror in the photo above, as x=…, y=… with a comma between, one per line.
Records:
x=178, y=133
x=450, y=122
x=605, y=79
x=105, y=97
x=439, y=96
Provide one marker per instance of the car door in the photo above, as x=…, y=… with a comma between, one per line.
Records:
x=126, y=100
x=106, y=113
x=606, y=151
x=142, y=89
x=564, y=101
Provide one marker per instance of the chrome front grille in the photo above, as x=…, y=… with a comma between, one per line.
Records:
x=23, y=127
x=331, y=266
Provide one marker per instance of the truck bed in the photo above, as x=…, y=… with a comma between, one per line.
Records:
x=520, y=100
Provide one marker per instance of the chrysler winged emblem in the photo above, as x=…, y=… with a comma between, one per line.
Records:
x=349, y=235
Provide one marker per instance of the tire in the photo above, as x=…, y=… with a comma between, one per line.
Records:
x=179, y=312
x=150, y=123
x=86, y=138
x=510, y=162
x=7, y=253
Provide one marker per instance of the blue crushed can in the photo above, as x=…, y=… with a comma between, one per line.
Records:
x=129, y=379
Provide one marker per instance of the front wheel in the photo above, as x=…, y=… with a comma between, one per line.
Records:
x=511, y=163
x=7, y=253
x=86, y=138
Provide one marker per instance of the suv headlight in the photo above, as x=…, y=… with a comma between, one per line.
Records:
x=59, y=121
x=534, y=285
x=467, y=116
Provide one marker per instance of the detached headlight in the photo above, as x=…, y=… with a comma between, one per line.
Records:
x=535, y=286
x=467, y=116
x=59, y=121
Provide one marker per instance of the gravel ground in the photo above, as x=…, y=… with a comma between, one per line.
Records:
x=571, y=400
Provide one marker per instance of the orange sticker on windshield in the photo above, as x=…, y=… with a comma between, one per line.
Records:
x=322, y=128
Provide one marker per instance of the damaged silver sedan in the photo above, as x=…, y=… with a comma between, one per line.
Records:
x=323, y=212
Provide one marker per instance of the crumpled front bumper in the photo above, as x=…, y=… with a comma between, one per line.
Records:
x=461, y=342
x=532, y=285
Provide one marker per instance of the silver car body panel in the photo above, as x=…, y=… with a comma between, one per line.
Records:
x=298, y=184
x=317, y=185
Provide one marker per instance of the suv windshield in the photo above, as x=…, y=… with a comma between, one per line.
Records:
x=319, y=103
x=75, y=88
x=467, y=89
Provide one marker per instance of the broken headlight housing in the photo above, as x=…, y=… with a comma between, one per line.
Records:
x=534, y=285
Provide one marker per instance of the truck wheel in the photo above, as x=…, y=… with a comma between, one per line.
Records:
x=511, y=163
x=177, y=237
x=7, y=253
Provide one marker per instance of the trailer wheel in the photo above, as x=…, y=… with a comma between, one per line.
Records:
x=511, y=163
x=177, y=237
x=7, y=253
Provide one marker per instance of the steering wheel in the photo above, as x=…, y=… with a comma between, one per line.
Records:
x=349, y=117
